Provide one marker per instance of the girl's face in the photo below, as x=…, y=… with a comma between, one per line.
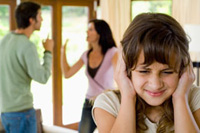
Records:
x=154, y=83
x=92, y=35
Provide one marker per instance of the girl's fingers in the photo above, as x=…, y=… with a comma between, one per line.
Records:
x=120, y=68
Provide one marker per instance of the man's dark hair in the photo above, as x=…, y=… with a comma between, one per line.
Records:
x=24, y=12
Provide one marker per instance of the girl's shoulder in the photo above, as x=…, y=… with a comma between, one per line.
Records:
x=194, y=98
x=108, y=96
x=194, y=90
x=109, y=102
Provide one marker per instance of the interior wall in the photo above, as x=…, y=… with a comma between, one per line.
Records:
x=118, y=14
x=186, y=11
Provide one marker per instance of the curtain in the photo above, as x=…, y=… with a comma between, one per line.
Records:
x=186, y=11
x=118, y=15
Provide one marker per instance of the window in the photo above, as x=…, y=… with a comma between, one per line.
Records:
x=4, y=22
x=42, y=93
x=74, y=25
x=141, y=6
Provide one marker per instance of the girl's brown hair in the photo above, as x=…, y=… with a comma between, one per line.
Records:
x=162, y=39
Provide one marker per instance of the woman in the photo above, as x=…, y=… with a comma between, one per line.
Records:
x=100, y=61
x=155, y=80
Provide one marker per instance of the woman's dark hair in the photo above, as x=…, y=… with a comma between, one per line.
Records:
x=103, y=29
x=24, y=12
x=161, y=39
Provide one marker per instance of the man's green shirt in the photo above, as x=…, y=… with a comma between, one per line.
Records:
x=19, y=64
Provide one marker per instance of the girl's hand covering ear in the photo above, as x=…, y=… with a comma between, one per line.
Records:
x=185, y=82
x=124, y=83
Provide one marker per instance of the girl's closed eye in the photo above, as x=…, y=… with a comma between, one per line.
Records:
x=144, y=71
x=168, y=72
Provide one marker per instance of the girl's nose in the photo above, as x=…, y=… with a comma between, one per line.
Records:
x=155, y=82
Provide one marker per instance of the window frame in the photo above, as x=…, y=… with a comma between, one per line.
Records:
x=12, y=5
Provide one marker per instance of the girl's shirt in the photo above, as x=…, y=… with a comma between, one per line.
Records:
x=109, y=102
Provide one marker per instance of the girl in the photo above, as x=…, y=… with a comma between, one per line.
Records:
x=155, y=80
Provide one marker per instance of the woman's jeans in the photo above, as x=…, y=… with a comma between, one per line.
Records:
x=87, y=124
x=20, y=122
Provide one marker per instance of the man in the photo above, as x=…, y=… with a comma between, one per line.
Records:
x=19, y=64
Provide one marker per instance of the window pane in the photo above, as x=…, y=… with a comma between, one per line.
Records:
x=164, y=6
x=99, y=12
x=74, y=26
x=4, y=21
x=42, y=93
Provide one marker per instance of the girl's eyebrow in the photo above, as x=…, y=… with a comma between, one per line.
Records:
x=168, y=69
x=143, y=66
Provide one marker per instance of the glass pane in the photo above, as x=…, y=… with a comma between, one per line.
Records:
x=74, y=26
x=42, y=93
x=4, y=21
x=99, y=12
x=164, y=6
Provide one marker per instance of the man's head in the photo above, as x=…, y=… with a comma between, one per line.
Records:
x=27, y=12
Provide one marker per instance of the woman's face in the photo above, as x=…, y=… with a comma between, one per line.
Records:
x=154, y=83
x=92, y=35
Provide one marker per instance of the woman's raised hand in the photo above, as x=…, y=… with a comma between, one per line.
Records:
x=63, y=49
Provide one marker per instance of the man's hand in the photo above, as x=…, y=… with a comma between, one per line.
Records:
x=48, y=44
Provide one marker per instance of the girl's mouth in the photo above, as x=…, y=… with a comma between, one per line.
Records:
x=155, y=94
